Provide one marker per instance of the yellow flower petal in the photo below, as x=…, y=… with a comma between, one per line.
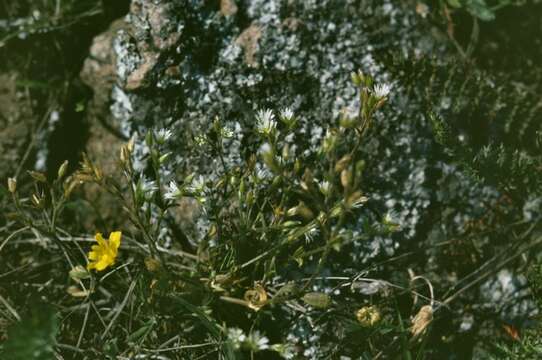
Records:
x=114, y=239
x=103, y=263
x=99, y=238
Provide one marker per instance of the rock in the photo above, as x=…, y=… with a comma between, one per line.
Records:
x=228, y=7
x=99, y=72
x=181, y=63
x=139, y=78
x=15, y=126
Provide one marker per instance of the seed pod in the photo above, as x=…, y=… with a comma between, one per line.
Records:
x=288, y=291
x=256, y=298
x=318, y=300
x=368, y=316
x=422, y=320
x=152, y=264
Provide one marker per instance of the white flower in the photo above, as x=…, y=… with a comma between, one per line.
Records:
x=287, y=351
x=359, y=201
x=256, y=342
x=324, y=187
x=262, y=173
x=236, y=337
x=391, y=222
x=145, y=188
x=287, y=113
x=265, y=121
x=311, y=233
x=173, y=191
x=197, y=186
x=163, y=135
x=382, y=90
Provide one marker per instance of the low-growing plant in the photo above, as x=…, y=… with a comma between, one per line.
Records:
x=265, y=259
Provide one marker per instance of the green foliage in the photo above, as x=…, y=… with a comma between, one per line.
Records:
x=274, y=226
x=528, y=348
x=481, y=8
x=34, y=337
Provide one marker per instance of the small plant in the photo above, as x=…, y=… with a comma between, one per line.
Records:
x=273, y=226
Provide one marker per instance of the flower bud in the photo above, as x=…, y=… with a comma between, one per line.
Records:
x=270, y=159
x=422, y=320
x=130, y=144
x=76, y=292
x=346, y=178
x=343, y=163
x=38, y=176
x=356, y=200
x=302, y=210
x=149, y=139
x=356, y=78
x=79, y=273
x=37, y=201
x=12, y=185
x=164, y=158
x=62, y=169
x=124, y=154
x=330, y=141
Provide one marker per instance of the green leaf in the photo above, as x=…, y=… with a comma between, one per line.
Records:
x=454, y=3
x=34, y=337
x=481, y=10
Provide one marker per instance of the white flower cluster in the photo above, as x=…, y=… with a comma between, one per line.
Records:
x=253, y=342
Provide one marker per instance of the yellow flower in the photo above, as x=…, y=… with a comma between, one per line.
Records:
x=104, y=254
